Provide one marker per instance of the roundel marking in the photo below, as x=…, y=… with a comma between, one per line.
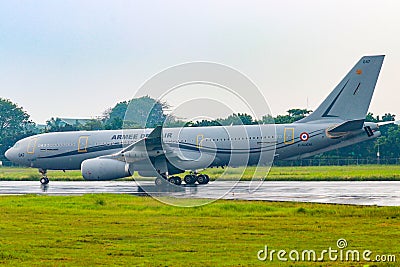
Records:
x=304, y=136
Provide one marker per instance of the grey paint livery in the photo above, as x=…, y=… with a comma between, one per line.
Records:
x=106, y=155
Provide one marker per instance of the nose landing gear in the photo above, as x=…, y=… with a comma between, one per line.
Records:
x=44, y=180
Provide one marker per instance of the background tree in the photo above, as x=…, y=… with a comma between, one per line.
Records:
x=114, y=124
x=92, y=125
x=53, y=125
x=114, y=117
x=14, y=125
x=172, y=122
x=136, y=113
x=233, y=119
x=370, y=117
x=57, y=125
x=388, y=117
x=267, y=119
x=293, y=115
x=203, y=123
x=237, y=119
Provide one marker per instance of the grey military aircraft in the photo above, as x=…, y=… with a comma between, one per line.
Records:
x=164, y=152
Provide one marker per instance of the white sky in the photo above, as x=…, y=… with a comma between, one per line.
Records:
x=78, y=58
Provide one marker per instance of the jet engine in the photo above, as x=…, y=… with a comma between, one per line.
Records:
x=100, y=169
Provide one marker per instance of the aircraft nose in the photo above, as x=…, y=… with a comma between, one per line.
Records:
x=9, y=154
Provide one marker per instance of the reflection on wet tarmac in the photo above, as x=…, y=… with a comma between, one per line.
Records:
x=353, y=192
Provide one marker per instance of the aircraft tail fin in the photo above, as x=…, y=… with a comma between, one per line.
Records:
x=350, y=99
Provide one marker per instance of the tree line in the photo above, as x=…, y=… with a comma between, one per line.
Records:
x=147, y=112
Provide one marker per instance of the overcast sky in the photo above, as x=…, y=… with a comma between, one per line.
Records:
x=79, y=58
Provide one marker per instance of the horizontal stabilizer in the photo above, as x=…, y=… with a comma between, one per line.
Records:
x=388, y=122
x=346, y=126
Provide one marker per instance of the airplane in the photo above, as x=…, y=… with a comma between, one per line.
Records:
x=163, y=153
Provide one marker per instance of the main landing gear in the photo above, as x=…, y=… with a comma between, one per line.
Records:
x=176, y=180
x=172, y=180
x=163, y=180
x=193, y=178
x=44, y=180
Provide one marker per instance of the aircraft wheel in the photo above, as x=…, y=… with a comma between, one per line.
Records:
x=159, y=181
x=44, y=180
x=178, y=180
x=207, y=178
x=202, y=179
x=172, y=180
x=190, y=179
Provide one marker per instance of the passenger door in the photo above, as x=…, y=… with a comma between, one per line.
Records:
x=31, y=146
x=288, y=136
x=83, y=144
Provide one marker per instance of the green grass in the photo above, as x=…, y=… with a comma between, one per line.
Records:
x=313, y=173
x=29, y=174
x=336, y=173
x=93, y=230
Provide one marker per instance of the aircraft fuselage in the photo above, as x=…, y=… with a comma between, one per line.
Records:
x=226, y=144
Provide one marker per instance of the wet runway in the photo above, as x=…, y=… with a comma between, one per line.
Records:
x=385, y=193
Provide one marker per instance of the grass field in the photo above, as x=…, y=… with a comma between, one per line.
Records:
x=318, y=173
x=305, y=173
x=94, y=230
x=125, y=230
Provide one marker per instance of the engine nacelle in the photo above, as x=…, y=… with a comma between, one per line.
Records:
x=99, y=169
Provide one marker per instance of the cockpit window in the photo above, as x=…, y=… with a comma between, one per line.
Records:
x=16, y=145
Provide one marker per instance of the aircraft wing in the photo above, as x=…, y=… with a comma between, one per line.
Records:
x=150, y=155
x=148, y=143
x=149, y=146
